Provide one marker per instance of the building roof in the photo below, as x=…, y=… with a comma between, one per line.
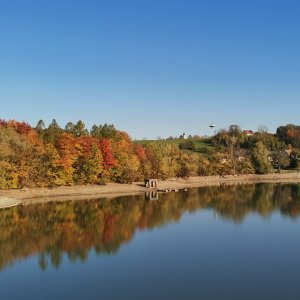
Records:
x=248, y=132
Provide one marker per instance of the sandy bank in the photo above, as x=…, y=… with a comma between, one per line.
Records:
x=26, y=196
x=6, y=202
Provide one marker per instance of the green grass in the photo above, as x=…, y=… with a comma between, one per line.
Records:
x=202, y=145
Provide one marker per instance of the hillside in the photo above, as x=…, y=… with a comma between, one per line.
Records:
x=200, y=146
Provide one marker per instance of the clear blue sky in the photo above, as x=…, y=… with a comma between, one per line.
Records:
x=151, y=67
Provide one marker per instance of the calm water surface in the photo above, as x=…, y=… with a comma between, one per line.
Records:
x=228, y=242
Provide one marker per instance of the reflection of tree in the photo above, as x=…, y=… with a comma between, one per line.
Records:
x=74, y=228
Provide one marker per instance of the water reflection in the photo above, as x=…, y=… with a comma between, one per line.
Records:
x=75, y=228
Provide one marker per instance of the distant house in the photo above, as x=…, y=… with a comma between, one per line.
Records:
x=248, y=132
x=281, y=158
x=183, y=136
x=284, y=153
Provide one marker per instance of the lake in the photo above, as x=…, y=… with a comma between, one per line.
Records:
x=226, y=242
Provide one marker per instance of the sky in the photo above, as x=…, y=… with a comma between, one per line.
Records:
x=153, y=68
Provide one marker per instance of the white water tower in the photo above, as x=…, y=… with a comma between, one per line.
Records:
x=212, y=127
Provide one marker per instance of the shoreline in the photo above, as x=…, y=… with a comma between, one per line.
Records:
x=112, y=190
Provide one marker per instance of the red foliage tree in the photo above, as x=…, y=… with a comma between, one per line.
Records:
x=3, y=123
x=108, y=157
x=22, y=128
x=140, y=153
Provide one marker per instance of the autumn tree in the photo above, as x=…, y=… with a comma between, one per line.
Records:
x=21, y=154
x=188, y=165
x=68, y=154
x=88, y=164
x=140, y=152
x=290, y=134
x=260, y=158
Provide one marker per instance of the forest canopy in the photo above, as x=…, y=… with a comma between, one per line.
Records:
x=55, y=156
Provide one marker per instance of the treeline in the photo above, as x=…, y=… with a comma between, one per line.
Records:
x=54, y=156
x=53, y=230
x=242, y=152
